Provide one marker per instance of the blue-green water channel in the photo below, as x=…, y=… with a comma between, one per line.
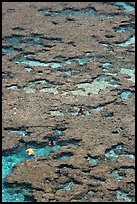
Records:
x=8, y=162
x=125, y=6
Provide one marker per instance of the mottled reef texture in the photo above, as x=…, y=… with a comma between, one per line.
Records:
x=97, y=132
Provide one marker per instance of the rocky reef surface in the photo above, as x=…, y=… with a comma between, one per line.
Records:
x=57, y=56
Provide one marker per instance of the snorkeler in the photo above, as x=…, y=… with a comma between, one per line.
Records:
x=81, y=111
x=31, y=152
x=52, y=141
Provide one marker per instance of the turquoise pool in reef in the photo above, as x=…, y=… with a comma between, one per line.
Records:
x=125, y=95
x=125, y=6
x=8, y=162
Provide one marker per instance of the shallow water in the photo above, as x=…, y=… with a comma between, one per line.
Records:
x=116, y=152
x=100, y=83
x=123, y=195
x=125, y=28
x=93, y=160
x=70, y=12
x=84, y=89
x=127, y=42
x=106, y=65
x=68, y=186
x=53, y=89
x=125, y=95
x=22, y=59
x=125, y=6
x=87, y=196
x=129, y=72
x=115, y=174
x=56, y=113
x=8, y=161
x=58, y=132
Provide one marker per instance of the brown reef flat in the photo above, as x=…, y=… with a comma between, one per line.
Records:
x=66, y=40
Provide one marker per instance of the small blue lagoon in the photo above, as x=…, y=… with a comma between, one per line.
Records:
x=58, y=132
x=125, y=6
x=21, y=131
x=23, y=59
x=129, y=72
x=87, y=196
x=93, y=160
x=124, y=196
x=114, y=152
x=129, y=41
x=125, y=28
x=118, y=174
x=72, y=12
x=117, y=151
x=8, y=162
x=125, y=95
x=68, y=186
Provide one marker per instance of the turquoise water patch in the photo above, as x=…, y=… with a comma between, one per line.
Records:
x=31, y=86
x=124, y=196
x=72, y=12
x=117, y=174
x=54, y=64
x=98, y=84
x=128, y=41
x=13, y=87
x=100, y=181
x=125, y=95
x=56, y=113
x=21, y=132
x=120, y=173
x=83, y=60
x=9, y=50
x=87, y=196
x=125, y=28
x=74, y=111
x=58, y=132
x=64, y=157
x=68, y=73
x=8, y=162
x=93, y=160
x=68, y=186
x=53, y=89
x=100, y=107
x=17, y=194
x=36, y=63
x=114, y=152
x=130, y=155
x=126, y=6
x=106, y=65
x=28, y=69
x=31, y=39
x=129, y=72
x=14, y=40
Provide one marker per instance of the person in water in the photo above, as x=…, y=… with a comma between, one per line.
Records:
x=30, y=152
x=52, y=141
x=81, y=111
